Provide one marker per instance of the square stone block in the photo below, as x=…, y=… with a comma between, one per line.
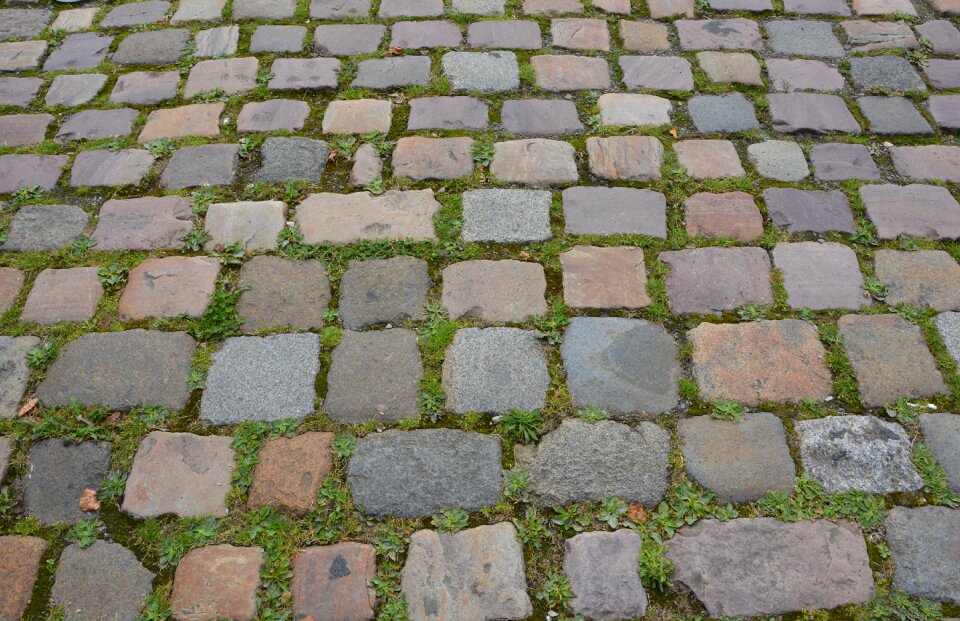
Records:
x=254, y=224
x=496, y=291
x=291, y=471
x=713, y=280
x=217, y=582
x=595, y=277
x=335, y=582
x=169, y=287
x=819, y=276
x=63, y=295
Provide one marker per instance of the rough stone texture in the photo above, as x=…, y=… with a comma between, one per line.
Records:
x=731, y=215
x=135, y=14
x=928, y=162
x=890, y=359
x=740, y=461
x=337, y=9
x=494, y=291
x=383, y=291
x=760, y=361
x=335, y=583
x=14, y=372
x=941, y=432
x=104, y=582
x=217, y=582
x=479, y=7
x=865, y=453
x=216, y=42
x=110, y=168
x=644, y=36
x=944, y=108
x=761, y=566
x=495, y=370
x=11, y=280
x=57, y=474
x=803, y=75
x=70, y=294
x=120, y=370
x=722, y=113
x=893, y=115
x=386, y=363
x=45, y=227
x=664, y=73
x=634, y=109
x=948, y=325
x=486, y=72
x=535, y=161
x=270, y=38
x=508, y=33
x=923, y=544
x=818, y=211
x=578, y=33
x=837, y=161
x=433, y=158
x=712, y=280
x=254, y=224
x=367, y=166
x=201, y=120
x=18, y=171
x=506, y=216
x=290, y=472
x=346, y=218
x=263, y=9
x=292, y=159
x=821, y=7
x=718, y=34
x=626, y=366
x=347, y=39
x=209, y=164
x=607, y=211
x=386, y=73
x=181, y=474
x=152, y=47
x=447, y=113
x=229, y=75
x=865, y=36
x=588, y=462
x=781, y=160
x=80, y=51
x=942, y=35
x=595, y=277
x=19, y=566
x=410, y=8
x=97, y=124
x=602, y=569
x=425, y=34
x=570, y=73
x=6, y=449
x=279, y=292
x=198, y=10
x=143, y=223
x=169, y=287
x=883, y=7
x=476, y=574
x=18, y=130
x=144, y=87
x=294, y=74
x=540, y=117
x=891, y=72
x=803, y=38
x=943, y=73
x=916, y=210
x=794, y=112
x=23, y=23
x=19, y=92
x=661, y=9
x=819, y=276
x=21, y=55
x=628, y=158
x=925, y=278
x=430, y=470
x=357, y=116
x=264, y=378
x=268, y=116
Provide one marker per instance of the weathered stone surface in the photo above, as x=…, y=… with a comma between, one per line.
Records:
x=229, y=75
x=208, y=164
x=535, y=161
x=201, y=120
x=198, y=10
x=19, y=566
x=144, y=87
x=820, y=7
x=357, y=116
x=740, y=461
x=45, y=227
x=540, y=117
x=217, y=582
x=279, y=292
x=216, y=42
x=803, y=75
x=946, y=7
x=11, y=280
x=883, y=7
x=595, y=277
x=665, y=73
x=761, y=566
x=21, y=55
x=97, y=124
x=705, y=159
x=837, y=161
x=433, y=158
x=19, y=92
x=335, y=582
x=135, y=14
x=890, y=72
x=893, y=115
x=367, y=166
x=602, y=569
x=508, y=33
x=18, y=130
x=291, y=471
x=781, y=160
x=662, y=9
x=479, y=7
x=644, y=36
x=268, y=116
x=383, y=291
x=629, y=158
x=181, y=474
x=386, y=364
x=474, y=574
x=169, y=287
x=943, y=109
x=497, y=291
x=486, y=72
x=6, y=449
x=578, y=33
x=719, y=34
x=57, y=474
x=865, y=36
x=890, y=358
x=712, y=280
x=75, y=20
x=263, y=9
x=269, y=38
x=292, y=159
x=626, y=366
x=607, y=211
x=410, y=8
x=722, y=113
x=100, y=583
x=925, y=278
x=152, y=47
x=294, y=74
x=105, y=168
x=262, y=378
x=506, y=216
x=120, y=370
x=70, y=294
x=385, y=73
x=730, y=214
x=143, y=223
x=943, y=73
x=928, y=162
x=923, y=543
x=588, y=462
x=78, y=51
x=425, y=34
x=948, y=325
x=14, y=372
x=803, y=38
x=942, y=35
x=793, y=112
x=917, y=210
x=819, y=276
x=338, y=9
x=570, y=73
x=447, y=113
x=730, y=67
x=941, y=432
x=346, y=218
x=23, y=23
x=347, y=39
x=634, y=109
x=809, y=210
x=19, y=171
x=865, y=453
x=495, y=370
x=759, y=361
x=254, y=224
x=430, y=470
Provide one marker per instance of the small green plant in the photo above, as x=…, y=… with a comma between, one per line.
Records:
x=612, y=510
x=196, y=239
x=521, y=425
x=556, y=591
x=248, y=144
x=903, y=411
x=375, y=186
x=934, y=477
x=211, y=96
x=450, y=520
x=344, y=444
x=865, y=233
x=8, y=502
x=378, y=140
x=112, y=487
x=752, y=312
x=197, y=380
x=333, y=517
x=592, y=414
x=81, y=245
x=531, y=529
x=876, y=289
x=40, y=356
x=344, y=145
x=202, y=199
x=198, y=532
x=220, y=319
x=515, y=484
x=161, y=147
x=727, y=410
x=26, y=193
x=572, y=518
x=230, y=255
x=550, y=326
x=910, y=313
x=156, y=608
x=430, y=402
x=112, y=276
x=84, y=533
x=900, y=607
x=809, y=501
x=483, y=153
x=653, y=566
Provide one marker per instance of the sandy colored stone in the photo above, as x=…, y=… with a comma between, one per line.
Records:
x=644, y=36
x=602, y=569
x=231, y=75
x=357, y=116
x=627, y=158
x=433, y=158
x=535, y=161
x=11, y=280
x=499, y=291
x=595, y=277
x=578, y=33
x=730, y=67
x=291, y=471
x=169, y=287
x=217, y=582
x=924, y=278
x=254, y=224
x=346, y=218
x=143, y=223
x=570, y=73
x=70, y=294
x=706, y=159
x=201, y=120
x=278, y=292
x=916, y=210
x=731, y=215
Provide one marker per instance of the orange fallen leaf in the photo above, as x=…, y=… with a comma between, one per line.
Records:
x=332, y=155
x=28, y=406
x=89, y=502
x=524, y=254
x=636, y=514
x=673, y=132
x=113, y=417
x=396, y=51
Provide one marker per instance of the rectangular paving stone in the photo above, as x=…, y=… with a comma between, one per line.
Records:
x=14, y=372
x=724, y=114
x=818, y=211
x=380, y=291
x=578, y=33
x=78, y=51
x=74, y=20
x=290, y=472
x=268, y=38
x=264, y=9
x=730, y=67
x=18, y=130
x=665, y=73
x=506, y=215
x=74, y=90
x=818, y=7
x=45, y=227
x=253, y=224
x=11, y=280
x=921, y=543
x=713, y=280
x=70, y=294
x=611, y=211
x=221, y=581
x=820, y=276
x=731, y=215
x=433, y=158
x=335, y=582
x=210, y=164
x=803, y=75
x=215, y=42
x=928, y=162
x=534, y=161
x=634, y=109
x=135, y=14
x=942, y=35
x=21, y=55
x=145, y=87
x=357, y=116
x=23, y=23
x=803, y=38
x=570, y=73
x=346, y=218
x=943, y=73
x=514, y=34
x=601, y=568
x=887, y=71
x=425, y=34
x=837, y=161
x=447, y=113
x=152, y=47
x=719, y=34
x=121, y=370
x=706, y=159
x=168, y=287
x=97, y=124
x=644, y=36
x=781, y=160
x=496, y=291
x=347, y=39
x=540, y=117
x=630, y=158
x=883, y=7
x=108, y=168
x=58, y=472
x=945, y=111
x=272, y=115
x=486, y=72
x=924, y=278
x=292, y=159
x=19, y=566
x=279, y=292
x=339, y=9
x=385, y=73
x=198, y=10
x=410, y=8
x=595, y=277
x=18, y=171
x=941, y=432
x=551, y=7
x=229, y=75
x=143, y=223
x=202, y=120
x=890, y=359
x=916, y=210
x=104, y=578
x=18, y=92
x=794, y=112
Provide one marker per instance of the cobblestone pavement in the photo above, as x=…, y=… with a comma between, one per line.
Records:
x=471, y=310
